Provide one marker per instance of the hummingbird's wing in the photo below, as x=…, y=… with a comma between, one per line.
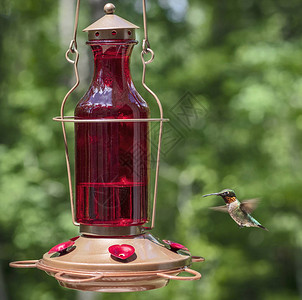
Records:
x=223, y=208
x=249, y=205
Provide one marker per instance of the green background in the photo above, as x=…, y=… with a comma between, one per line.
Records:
x=229, y=76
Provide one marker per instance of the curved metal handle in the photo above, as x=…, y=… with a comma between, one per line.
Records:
x=24, y=264
x=197, y=258
x=72, y=49
x=196, y=276
x=60, y=277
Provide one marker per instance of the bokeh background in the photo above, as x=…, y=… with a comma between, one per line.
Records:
x=229, y=75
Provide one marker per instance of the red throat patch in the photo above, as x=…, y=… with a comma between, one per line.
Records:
x=230, y=199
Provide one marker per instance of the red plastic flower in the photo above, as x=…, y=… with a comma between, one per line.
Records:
x=61, y=247
x=175, y=246
x=121, y=251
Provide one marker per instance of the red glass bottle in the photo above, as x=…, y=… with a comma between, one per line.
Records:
x=112, y=158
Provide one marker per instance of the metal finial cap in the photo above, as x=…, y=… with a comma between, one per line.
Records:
x=109, y=8
x=111, y=26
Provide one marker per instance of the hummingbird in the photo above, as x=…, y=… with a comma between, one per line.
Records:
x=239, y=212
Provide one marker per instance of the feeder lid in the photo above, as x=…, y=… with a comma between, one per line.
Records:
x=111, y=26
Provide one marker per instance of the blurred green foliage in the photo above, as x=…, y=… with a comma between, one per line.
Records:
x=237, y=66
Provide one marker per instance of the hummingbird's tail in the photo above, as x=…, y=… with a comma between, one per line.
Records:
x=260, y=226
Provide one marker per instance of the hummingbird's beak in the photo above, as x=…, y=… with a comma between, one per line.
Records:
x=211, y=194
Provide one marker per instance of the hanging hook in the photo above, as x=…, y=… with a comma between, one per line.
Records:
x=148, y=50
x=145, y=45
x=71, y=50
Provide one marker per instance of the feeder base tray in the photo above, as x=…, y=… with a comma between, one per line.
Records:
x=89, y=266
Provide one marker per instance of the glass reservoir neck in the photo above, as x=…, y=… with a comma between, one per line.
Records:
x=111, y=64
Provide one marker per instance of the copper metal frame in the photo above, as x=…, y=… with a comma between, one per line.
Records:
x=59, y=274
x=72, y=119
x=137, y=279
x=111, y=281
x=73, y=50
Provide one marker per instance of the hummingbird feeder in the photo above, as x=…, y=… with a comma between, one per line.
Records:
x=115, y=251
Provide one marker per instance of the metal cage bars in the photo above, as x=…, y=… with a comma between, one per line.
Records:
x=73, y=50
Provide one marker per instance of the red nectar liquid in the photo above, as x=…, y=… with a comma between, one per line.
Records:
x=112, y=159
